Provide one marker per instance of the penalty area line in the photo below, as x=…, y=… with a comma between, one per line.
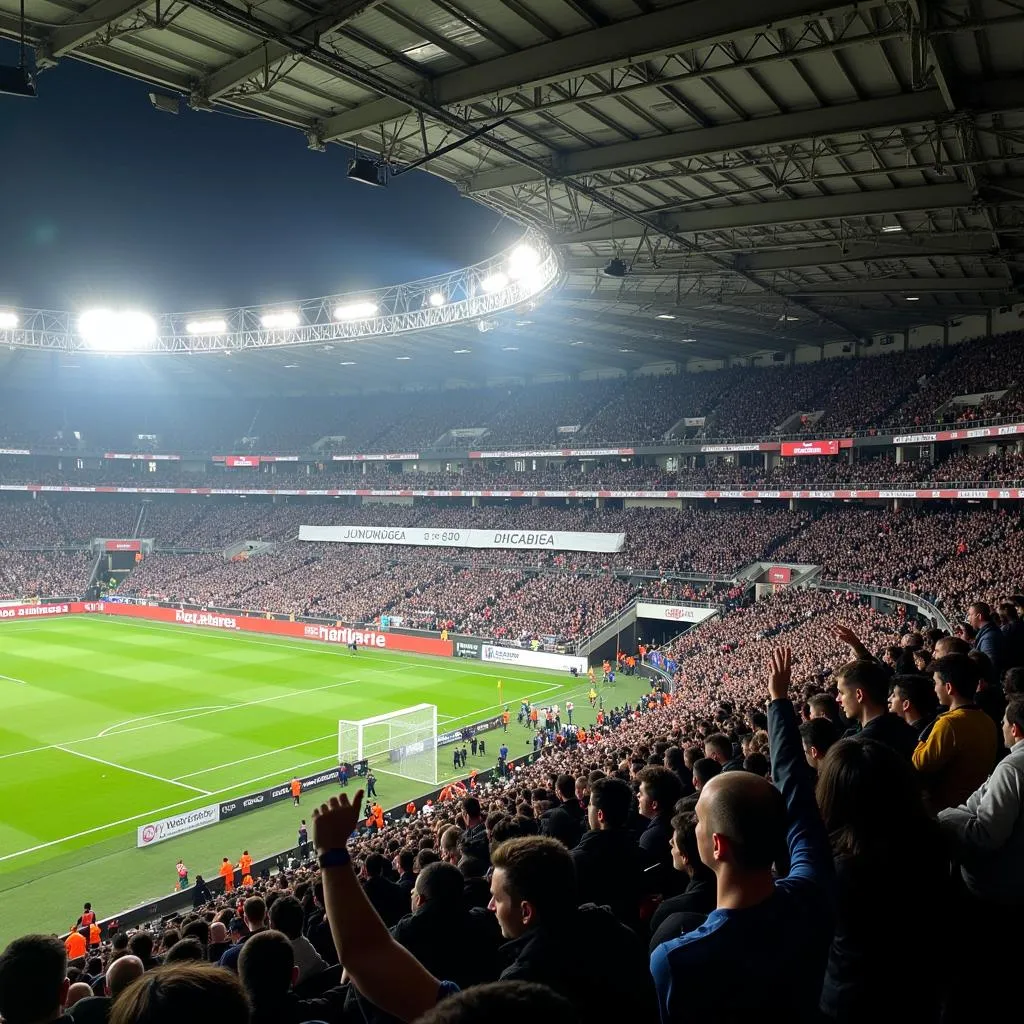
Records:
x=133, y=771
x=12, y=679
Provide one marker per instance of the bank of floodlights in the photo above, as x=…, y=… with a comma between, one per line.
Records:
x=106, y=330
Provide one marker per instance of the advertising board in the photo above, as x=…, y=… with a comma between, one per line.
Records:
x=170, y=828
x=673, y=612
x=533, y=659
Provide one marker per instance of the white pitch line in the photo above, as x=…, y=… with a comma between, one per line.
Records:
x=160, y=714
x=134, y=771
x=184, y=718
x=256, y=757
x=11, y=679
x=217, y=792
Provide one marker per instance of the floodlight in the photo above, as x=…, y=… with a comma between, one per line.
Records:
x=281, y=320
x=355, y=311
x=436, y=299
x=111, y=331
x=8, y=320
x=523, y=260
x=913, y=298
x=494, y=282
x=369, y=172
x=206, y=326
x=890, y=229
x=665, y=316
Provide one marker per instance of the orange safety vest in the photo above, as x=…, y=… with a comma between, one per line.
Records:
x=94, y=934
x=75, y=945
x=296, y=787
x=505, y=716
x=245, y=864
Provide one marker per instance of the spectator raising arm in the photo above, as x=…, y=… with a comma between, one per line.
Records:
x=384, y=972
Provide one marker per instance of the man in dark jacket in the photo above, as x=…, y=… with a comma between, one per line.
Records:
x=554, y=942
x=679, y=913
x=987, y=637
x=864, y=696
x=267, y=971
x=719, y=748
x=388, y=899
x=120, y=974
x=451, y=941
x=609, y=866
x=659, y=791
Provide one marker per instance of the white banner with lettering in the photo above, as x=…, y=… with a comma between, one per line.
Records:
x=171, y=828
x=551, y=540
x=533, y=659
x=673, y=612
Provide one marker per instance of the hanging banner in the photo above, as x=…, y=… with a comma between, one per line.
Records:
x=390, y=457
x=560, y=453
x=240, y=461
x=673, y=612
x=551, y=540
x=122, y=545
x=780, y=574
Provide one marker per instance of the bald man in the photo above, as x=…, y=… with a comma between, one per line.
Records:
x=776, y=932
x=120, y=974
x=219, y=941
x=76, y=993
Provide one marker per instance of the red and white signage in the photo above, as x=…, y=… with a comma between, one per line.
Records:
x=673, y=612
x=13, y=612
x=780, y=574
x=753, y=446
x=123, y=545
x=147, y=456
x=337, y=634
x=241, y=461
x=810, y=448
x=390, y=457
x=966, y=434
x=559, y=453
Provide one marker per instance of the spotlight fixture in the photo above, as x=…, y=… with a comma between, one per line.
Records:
x=356, y=311
x=104, y=330
x=615, y=268
x=206, y=326
x=8, y=320
x=665, y=316
x=436, y=299
x=165, y=103
x=369, y=172
x=281, y=321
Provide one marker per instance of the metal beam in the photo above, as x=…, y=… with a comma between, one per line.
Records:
x=901, y=285
x=304, y=33
x=931, y=247
x=866, y=115
x=91, y=22
x=704, y=23
x=786, y=211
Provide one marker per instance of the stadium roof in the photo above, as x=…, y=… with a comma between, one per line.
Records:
x=772, y=173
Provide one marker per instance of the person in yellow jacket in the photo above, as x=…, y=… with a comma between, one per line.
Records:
x=960, y=750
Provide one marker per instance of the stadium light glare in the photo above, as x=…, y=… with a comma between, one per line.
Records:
x=105, y=330
x=206, y=326
x=891, y=229
x=403, y=359
x=347, y=362
x=913, y=298
x=356, y=311
x=494, y=282
x=522, y=262
x=665, y=316
x=282, y=320
x=436, y=299
x=8, y=320
x=461, y=351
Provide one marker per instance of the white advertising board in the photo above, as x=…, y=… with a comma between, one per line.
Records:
x=533, y=659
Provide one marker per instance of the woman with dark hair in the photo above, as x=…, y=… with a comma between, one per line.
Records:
x=892, y=875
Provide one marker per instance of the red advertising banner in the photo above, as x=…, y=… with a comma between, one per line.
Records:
x=810, y=447
x=149, y=456
x=780, y=574
x=241, y=461
x=14, y=612
x=342, y=636
x=123, y=545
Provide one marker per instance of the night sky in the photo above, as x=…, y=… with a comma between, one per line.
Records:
x=105, y=200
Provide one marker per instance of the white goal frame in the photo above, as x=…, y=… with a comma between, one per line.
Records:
x=405, y=741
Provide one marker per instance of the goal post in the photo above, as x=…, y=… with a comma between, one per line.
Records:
x=401, y=742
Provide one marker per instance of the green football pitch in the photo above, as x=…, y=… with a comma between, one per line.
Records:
x=107, y=724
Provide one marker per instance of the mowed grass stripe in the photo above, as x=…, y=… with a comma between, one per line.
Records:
x=209, y=668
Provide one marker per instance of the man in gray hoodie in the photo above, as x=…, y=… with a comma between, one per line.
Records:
x=988, y=830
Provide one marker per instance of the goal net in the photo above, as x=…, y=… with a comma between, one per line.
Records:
x=401, y=742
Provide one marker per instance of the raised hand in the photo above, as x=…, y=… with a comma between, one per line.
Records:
x=780, y=673
x=847, y=636
x=335, y=821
